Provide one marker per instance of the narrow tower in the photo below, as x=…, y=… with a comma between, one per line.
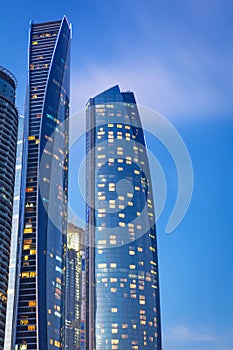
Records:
x=40, y=304
x=123, y=308
x=8, y=146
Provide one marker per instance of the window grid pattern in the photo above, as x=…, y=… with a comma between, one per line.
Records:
x=125, y=286
x=40, y=299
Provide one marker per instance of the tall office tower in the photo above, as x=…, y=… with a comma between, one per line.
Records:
x=123, y=308
x=40, y=304
x=73, y=286
x=8, y=146
x=14, y=236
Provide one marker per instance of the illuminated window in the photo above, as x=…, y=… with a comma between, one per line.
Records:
x=113, y=279
x=32, y=137
x=102, y=266
x=32, y=303
x=57, y=343
x=114, y=309
x=28, y=230
x=24, y=322
x=113, y=265
x=31, y=328
x=102, y=242
x=29, y=189
x=111, y=187
x=131, y=252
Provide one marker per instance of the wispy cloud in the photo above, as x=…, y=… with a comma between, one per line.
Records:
x=184, y=334
x=193, y=82
x=185, y=337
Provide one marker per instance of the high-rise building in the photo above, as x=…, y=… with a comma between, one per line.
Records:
x=73, y=286
x=8, y=146
x=123, y=307
x=12, y=287
x=40, y=316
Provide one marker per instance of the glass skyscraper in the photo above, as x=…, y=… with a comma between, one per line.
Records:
x=12, y=287
x=40, y=316
x=8, y=146
x=122, y=299
x=73, y=286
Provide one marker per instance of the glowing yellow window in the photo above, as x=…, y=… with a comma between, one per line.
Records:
x=57, y=343
x=113, y=265
x=111, y=187
x=32, y=251
x=31, y=328
x=102, y=266
x=113, y=279
x=25, y=274
x=132, y=267
x=114, y=309
x=32, y=303
x=31, y=137
x=35, y=43
x=28, y=230
x=29, y=189
x=23, y=322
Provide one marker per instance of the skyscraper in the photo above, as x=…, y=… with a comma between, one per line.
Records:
x=14, y=236
x=8, y=146
x=40, y=304
x=73, y=286
x=123, y=307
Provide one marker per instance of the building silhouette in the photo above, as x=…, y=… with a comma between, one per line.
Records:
x=122, y=299
x=8, y=146
x=40, y=317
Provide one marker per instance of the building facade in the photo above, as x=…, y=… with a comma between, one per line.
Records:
x=8, y=146
x=73, y=286
x=122, y=299
x=40, y=316
x=12, y=287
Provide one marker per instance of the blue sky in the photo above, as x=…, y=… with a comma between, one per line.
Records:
x=177, y=56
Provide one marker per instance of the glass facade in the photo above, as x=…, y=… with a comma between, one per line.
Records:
x=122, y=299
x=8, y=146
x=40, y=314
x=14, y=238
x=73, y=287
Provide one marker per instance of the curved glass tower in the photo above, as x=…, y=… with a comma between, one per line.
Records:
x=8, y=146
x=123, y=307
x=40, y=305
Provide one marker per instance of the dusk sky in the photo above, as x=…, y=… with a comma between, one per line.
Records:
x=177, y=57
